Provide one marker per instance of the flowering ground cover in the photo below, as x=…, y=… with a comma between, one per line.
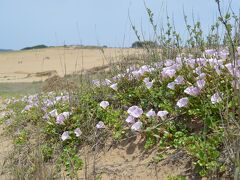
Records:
x=178, y=104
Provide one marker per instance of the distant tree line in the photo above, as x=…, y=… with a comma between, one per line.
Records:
x=35, y=47
x=143, y=44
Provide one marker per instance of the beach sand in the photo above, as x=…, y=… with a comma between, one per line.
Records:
x=40, y=64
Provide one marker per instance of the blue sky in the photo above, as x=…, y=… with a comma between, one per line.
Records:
x=93, y=22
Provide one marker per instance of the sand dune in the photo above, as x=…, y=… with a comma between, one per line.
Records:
x=39, y=64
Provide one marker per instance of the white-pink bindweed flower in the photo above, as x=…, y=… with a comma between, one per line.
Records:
x=183, y=102
x=65, y=98
x=28, y=107
x=137, y=126
x=234, y=71
x=114, y=86
x=146, y=80
x=171, y=85
x=201, y=76
x=216, y=98
x=148, y=83
x=151, y=113
x=135, y=111
x=106, y=82
x=191, y=62
x=58, y=98
x=130, y=119
x=136, y=73
x=104, y=104
x=230, y=67
x=60, y=119
x=198, y=70
x=78, y=132
x=96, y=82
x=53, y=113
x=169, y=62
x=217, y=69
x=201, y=83
x=168, y=72
x=162, y=114
x=48, y=103
x=100, y=125
x=65, y=136
x=193, y=91
x=201, y=61
x=223, y=54
x=66, y=115
x=179, y=80
x=210, y=51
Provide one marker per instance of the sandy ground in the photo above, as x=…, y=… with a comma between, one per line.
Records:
x=130, y=161
x=39, y=64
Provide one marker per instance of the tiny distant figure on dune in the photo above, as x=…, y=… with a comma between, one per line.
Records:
x=46, y=58
x=20, y=62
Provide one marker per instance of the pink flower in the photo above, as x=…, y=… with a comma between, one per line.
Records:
x=223, y=54
x=179, y=80
x=210, y=51
x=96, y=82
x=217, y=69
x=193, y=91
x=234, y=71
x=171, y=85
x=183, y=102
x=48, y=103
x=100, y=125
x=191, y=62
x=66, y=115
x=65, y=136
x=198, y=70
x=114, y=87
x=65, y=98
x=162, y=114
x=53, y=113
x=201, y=76
x=135, y=111
x=78, y=132
x=151, y=113
x=104, y=104
x=130, y=119
x=168, y=72
x=60, y=119
x=28, y=108
x=137, y=126
x=216, y=98
x=106, y=82
x=148, y=83
x=169, y=62
x=58, y=98
x=201, y=61
x=201, y=83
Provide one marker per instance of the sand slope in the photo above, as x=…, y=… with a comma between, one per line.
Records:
x=39, y=64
